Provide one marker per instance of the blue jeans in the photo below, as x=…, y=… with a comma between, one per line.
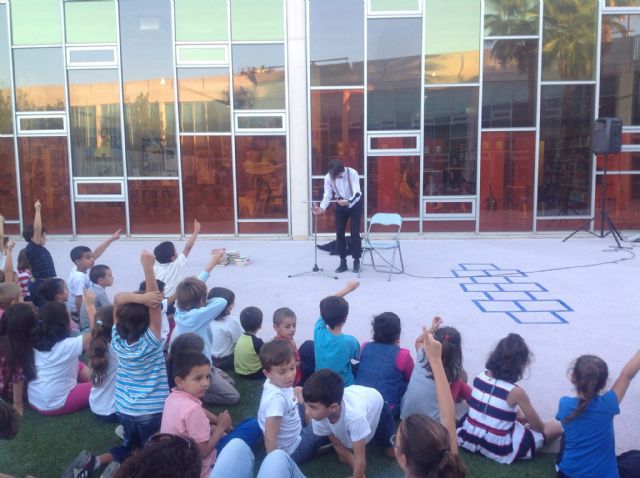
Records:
x=247, y=430
x=137, y=431
x=237, y=461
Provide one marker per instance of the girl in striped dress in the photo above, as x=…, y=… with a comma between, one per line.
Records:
x=501, y=423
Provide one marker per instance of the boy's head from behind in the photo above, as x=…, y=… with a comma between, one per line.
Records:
x=54, y=290
x=226, y=294
x=28, y=232
x=101, y=275
x=133, y=321
x=386, y=328
x=143, y=285
x=284, y=322
x=334, y=310
x=279, y=363
x=82, y=257
x=192, y=372
x=10, y=293
x=9, y=421
x=191, y=293
x=251, y=319
x=323, y=392
x=165, y=252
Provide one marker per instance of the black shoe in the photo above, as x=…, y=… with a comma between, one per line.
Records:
x=356, y=266
x=343, y=266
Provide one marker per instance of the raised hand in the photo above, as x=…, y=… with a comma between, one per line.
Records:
x=147, y=259
x=152, y=299
x=196, y=226
x=432, y=348
x=116, y=235
x=435, y=324
x=38, y=205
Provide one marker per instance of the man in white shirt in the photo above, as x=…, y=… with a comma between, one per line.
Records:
x=344, y=185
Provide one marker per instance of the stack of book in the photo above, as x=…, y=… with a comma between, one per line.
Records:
x=234, y=257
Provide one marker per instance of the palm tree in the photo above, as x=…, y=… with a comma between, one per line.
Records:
x=511, y=17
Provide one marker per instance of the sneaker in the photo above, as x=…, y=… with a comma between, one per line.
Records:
x=356, y=266
x=343, y=266
x=82, y=466
x=120, y=432
x=110, y=470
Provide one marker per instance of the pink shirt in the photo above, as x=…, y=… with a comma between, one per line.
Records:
x=183, y=415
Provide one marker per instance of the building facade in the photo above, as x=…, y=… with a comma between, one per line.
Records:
x=465, y=116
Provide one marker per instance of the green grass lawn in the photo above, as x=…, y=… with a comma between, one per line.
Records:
x=45, y=445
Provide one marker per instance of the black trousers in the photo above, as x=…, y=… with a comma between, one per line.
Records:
x=343, y=214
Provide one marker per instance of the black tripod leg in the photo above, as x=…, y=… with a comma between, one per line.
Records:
x=583, y=227
x=614, y=231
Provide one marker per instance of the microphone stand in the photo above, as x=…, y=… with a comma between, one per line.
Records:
x=315, y=269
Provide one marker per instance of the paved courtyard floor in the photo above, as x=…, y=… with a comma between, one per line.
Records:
x=565, y=299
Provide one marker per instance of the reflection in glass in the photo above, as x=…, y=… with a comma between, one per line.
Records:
x=207, y=182
x=393, y=185
x=258, y=77
x=620, y=69
x=36, y=22
x=393, y=142
x=451, y=41
x=506, y=181
x=622, y=200
x=96, y=142
x=566, y=116
x=509, y=90
x=261, y=175
x=147, y=71
x=154, y=207
x=326, y=222
x=99, y=217
x=39, y=74
x=627, y=161
x=449, y=208
x=395, y=5
x=95, y=55
x=393, y=73
x=569, y=39
x=336, y=42
x=41, y=124
x=261, y=20
x=622, y=3
x=204, y=100
x=6, y=109
x=201, y=21
x=337, y=122
x=101, y=28
x=511, y=17
x=44, y=175
x=9, y=196
x=106, y=189
x=450, y=141
x=260, y=122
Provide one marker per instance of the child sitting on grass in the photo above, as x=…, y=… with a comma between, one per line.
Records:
x=24, y=274
x=333, y=349
x=280, y=416
x=225, y=329
x=103, y=361
x=184, y=415
x=246, y=355
x=383, y=364
x=100, y=277
x=284, y=323
x=39, y=257
x=350, y=416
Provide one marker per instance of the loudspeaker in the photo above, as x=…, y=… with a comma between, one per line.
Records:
x=607, y=136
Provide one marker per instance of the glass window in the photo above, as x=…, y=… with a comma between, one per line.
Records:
x=257, y=20
x=393, y=185
x=622, y=3
x=207, y=182
x=569, y=40
x=99, y=217
x=336, y=42
x=452, y=41
x=261, y=175
x=506, y=181
x=509, y=90
x=509, y=17
x=44, y=175
x=39, y=74
x=147, y=71
x=154, y=206
x=382, y=143
x=36, y=22
x=204, y=100
x=6, y=109
x=258, y=77
x=9, y=196
x=622, y=200
x=394, y=5
x=39, y=123
x=94, y=113
x=337, y=125
x=620, y=162
x=566, y=117
x=201, y=21
x=101, y=28
x=450, y=141
x=98, y=55
x=261, y=122
x=203, y=55
x=393, y=73
x=620, y=69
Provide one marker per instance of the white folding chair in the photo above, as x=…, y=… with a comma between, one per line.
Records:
x=384, y=219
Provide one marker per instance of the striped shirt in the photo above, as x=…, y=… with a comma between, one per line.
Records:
x=23, y=278
x=141, y=379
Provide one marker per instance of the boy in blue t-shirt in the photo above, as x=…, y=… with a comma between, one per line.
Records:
x=333, y=349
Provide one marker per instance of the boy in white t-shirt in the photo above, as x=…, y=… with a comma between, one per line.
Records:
x=280, y=414
x=169, y=263
x=351, y=417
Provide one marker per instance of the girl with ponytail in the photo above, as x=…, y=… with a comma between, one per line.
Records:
x=589, y=441
x=103, y=362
